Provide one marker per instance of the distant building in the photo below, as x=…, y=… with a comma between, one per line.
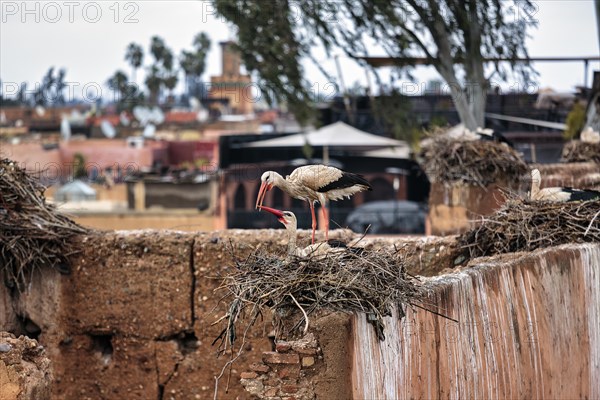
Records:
x=231, y=84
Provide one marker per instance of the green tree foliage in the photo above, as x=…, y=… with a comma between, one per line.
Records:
x=50, y=91
x=454, y=36
x=395, y=112
x=193, y=63
x=575, y=121
x=162, y=72
x=79, y=171
x=270, y=46
x=125, y=92
x=134, y=55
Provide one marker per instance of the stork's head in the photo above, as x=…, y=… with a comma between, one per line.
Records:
x=267, y=182
x=287, y=218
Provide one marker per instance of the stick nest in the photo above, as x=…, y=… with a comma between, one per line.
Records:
x=522, y=225
x=578, y=151
x=473, y=162
x=294, y=288
x=32, y=232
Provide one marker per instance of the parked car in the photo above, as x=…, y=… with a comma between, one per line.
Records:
x=388, y=216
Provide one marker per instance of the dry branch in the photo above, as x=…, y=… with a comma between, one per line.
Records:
x=522, y=225
x=32, y=232
x=473, y=162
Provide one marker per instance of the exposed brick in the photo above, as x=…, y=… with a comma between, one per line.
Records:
x=259, y=367
x=308, y=361
x=248, y=375
x=290, y=389
x=282, y=347
x=311, y=351
x=306, y=342
x=272, y=382
x=271, y=357
x=272, y=392
x=289, y=372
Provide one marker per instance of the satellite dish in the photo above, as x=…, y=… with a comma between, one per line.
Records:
x=195, y=104
x=107, y=129
x=142, y=114
x=40, y=111
x=157, y=116
x=65, y=129
x=202, y=115
x=149, y=131
x=124, y=119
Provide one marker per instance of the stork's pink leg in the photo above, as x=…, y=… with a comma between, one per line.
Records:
x=326, y=220
x=314, y=220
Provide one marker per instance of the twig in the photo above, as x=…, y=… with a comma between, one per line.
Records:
x=303, y=313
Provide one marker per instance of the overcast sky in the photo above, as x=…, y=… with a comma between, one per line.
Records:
x=89, y=39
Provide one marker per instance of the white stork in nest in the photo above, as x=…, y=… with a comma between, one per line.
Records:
x=314, y=183
x=558, y=194
x=288, y=219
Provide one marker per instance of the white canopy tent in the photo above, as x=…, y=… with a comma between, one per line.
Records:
x=338, y=135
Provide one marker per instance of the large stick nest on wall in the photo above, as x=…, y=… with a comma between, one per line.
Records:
x=295, y=288
x=473, y=162
x=522, y=225
x=578, y=151
x=32, y=232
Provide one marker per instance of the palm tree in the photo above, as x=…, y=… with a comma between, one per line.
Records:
x=194, y=63
x=153, y=82
x=134, y=55
x=157, y=48
x=118, y=83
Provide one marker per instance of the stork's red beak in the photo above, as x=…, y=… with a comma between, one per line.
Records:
x=277, y=213
x=264, y=188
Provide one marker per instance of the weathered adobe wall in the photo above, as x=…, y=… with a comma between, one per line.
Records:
x=529, y=327
x=25, y=372
x=455, y=208
x=133, y=320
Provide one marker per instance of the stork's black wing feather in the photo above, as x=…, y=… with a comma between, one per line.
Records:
x=582, y=195
x=346, y=180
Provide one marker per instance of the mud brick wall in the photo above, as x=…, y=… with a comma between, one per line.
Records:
x=134, y=318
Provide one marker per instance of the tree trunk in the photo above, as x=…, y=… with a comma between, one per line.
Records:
x=459, y=97
x=478, y=103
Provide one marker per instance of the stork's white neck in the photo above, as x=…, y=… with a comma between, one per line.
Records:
x=291, y=229
x=535, y=184
x=280, y=182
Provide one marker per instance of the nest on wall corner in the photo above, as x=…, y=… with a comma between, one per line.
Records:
x=578, y=151
x=294, y=288
x=473, y=162
x=523, y=225
x=33, y=234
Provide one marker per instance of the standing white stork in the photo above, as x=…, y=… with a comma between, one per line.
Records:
x=288, y=219
x=314, y=183
x=558, y=194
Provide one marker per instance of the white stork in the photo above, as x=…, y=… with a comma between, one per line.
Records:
x=314, y=183
x=558, y=194
x=288, y=219
x=489, y=135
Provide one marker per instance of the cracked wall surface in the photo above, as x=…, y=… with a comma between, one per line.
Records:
x=133, y=320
